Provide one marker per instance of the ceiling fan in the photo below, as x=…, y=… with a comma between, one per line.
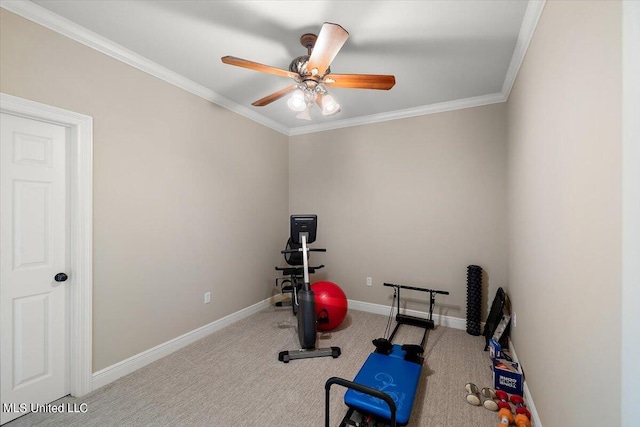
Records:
x=312, y=74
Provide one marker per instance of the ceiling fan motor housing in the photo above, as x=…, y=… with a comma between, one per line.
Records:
x=299, y=65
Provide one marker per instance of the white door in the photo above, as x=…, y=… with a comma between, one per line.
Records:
x=33, y=230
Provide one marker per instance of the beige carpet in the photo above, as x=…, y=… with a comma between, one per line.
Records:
x=233, y=378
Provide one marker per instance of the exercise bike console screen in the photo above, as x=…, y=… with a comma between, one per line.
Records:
x=303, y=224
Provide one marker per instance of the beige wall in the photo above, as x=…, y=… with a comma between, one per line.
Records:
x=411, y=201
x=177, y=185
x=565, y=212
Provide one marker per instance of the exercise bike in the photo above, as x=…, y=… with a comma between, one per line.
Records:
x=303, y=232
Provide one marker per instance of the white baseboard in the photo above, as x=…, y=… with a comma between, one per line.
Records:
x=448, y=321
x=127, y=366
x=535, y=418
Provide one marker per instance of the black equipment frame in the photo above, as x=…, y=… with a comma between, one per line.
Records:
x=414, y=354
x=405, y=319
x=357, y=387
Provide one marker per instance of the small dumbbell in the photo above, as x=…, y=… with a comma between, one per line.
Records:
x=518, y=401
x=489, y=399
x=503, y=396
x=506, y=417
x=473, y=394
x=522, y=421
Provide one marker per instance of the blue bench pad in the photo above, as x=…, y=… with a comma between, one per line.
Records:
x=394, y=376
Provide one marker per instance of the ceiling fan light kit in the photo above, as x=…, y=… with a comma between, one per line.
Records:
x=312, y=74
x=304, y=114
x=329, y=105
x=297, y=101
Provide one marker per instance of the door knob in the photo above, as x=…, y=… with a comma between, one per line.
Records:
x=60, y=277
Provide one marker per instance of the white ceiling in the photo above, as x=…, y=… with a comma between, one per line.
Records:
x=444, y=54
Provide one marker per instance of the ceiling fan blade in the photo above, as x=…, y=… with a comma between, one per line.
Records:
x=360, y=81
x=327, y=46
x=239, y=62
x=274, y=96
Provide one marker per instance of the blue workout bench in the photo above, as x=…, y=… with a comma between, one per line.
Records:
x=384, y=390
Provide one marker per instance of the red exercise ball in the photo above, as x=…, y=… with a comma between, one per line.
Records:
x=331, y=303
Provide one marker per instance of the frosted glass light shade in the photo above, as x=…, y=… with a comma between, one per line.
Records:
x=329, y=105
x=297, y=102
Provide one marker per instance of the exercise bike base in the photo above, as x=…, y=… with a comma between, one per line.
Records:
x=286, y=356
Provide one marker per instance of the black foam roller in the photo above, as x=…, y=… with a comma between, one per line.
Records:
x=474, y=299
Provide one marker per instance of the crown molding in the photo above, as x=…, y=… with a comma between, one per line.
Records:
x=529, y=23
x=61, y=25
x=423, y=110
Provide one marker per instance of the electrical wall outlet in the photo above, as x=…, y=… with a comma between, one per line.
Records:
x=369, y=281
x=207, y=297
x=513, y=319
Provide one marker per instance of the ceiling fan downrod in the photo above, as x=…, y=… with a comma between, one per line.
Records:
x=308, y=41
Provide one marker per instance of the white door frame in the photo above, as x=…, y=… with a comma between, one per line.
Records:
x=80, y=173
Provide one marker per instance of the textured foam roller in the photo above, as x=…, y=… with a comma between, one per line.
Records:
x=474, y=299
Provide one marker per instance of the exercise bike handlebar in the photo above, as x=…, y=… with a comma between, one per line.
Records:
x=414, y=288
x=291, y=251
x=311, y=267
